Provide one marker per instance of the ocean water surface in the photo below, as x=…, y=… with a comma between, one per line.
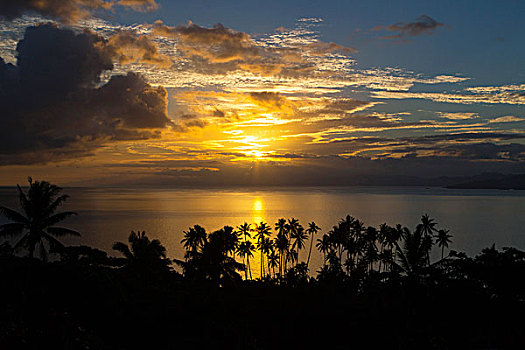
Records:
x=475, y=218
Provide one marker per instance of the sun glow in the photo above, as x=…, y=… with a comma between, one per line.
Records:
x=255, y=154
x=258, y=210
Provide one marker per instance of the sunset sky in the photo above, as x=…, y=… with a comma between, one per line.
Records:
x=286, y=92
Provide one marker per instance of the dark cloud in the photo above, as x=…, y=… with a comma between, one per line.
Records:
x=217, y=113
x=68, y=10
x=433, y=139
x=422, y=25
x=469, y=146
x=323, y=48
x=128, y=47
x=268, y=99
x=54, y=105
x=484, y=150
x=219, y=50
x=344, y=106
x=217, y=44
x=466, y=136
x=361, y=121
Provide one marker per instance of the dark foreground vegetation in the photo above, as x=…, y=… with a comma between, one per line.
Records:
x=378, y=287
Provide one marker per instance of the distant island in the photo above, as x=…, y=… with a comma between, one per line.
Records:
x=492, y=181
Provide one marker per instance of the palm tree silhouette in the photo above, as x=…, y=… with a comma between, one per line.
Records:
x=427, y=228
x=298, y=236
x=246, y=248
x=230, y=238
x=282, y=243
x=194, y=238
x=244, y=230
x=262, y=232
x=442, y=240
x=280, y=226
x=312, y=231
x=427, y=225
x=324, y=245
x=245, y=251
x=38, y=219
x=413, y=255
x=273, y=260
x=143, y=252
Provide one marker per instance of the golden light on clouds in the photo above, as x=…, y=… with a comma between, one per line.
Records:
x=278, y=99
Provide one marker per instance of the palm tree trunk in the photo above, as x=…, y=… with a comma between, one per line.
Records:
x=262, y=266
x=285, y=261
x=310, y=252
x=245, y=271
x=280, y=263
x=442, y=251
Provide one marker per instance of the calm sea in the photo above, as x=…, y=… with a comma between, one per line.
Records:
x=475, y=218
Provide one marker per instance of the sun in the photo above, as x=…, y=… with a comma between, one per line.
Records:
x=255, y=154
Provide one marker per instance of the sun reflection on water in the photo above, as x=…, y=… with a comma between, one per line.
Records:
x=258, y=215
x=258, y=212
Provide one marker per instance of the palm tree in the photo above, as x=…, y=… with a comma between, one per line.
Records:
x=143, y=252
x=427, y=225
x=280, y=227
x=267, y=249
x=194, y=238
x=324, y=245
x=213, y=262
x=244, y=230
x=247, y=248
x=427, y=228
x=312, y=230
x=370, y=248
x=293, y=226
x=413, y=255
x=273, y=260
x=298, y=236
x=262, y=232
x=245, y=251
x=442, y=240
x=38, y=204
x=230, y=239
x=282, y=243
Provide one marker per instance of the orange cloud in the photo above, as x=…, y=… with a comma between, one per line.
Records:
x=69, y=11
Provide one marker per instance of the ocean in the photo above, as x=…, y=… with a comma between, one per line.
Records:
x=476, y=218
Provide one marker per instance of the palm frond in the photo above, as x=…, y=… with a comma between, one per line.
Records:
x=56, y=203
x=13, y=215
x=123, y=248
x=24, y=202
x=58, y=217
x=405, y=265
x=22, y=242
x=62, y=231
x=54, y=244
x=11, y=229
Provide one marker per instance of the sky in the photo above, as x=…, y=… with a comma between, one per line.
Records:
x=236, y=93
